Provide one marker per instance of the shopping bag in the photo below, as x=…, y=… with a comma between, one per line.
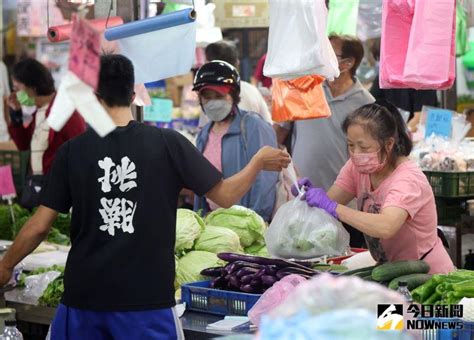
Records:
x=417, y=51
x=303, y=50
x=342, y=17
x=299, y=231
x=369, y=22
x=298, y=99
x=461, y=30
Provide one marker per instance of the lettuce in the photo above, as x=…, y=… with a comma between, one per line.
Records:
x=189, y=227
x=190, y=266
x=218, y=240
x=244, y=222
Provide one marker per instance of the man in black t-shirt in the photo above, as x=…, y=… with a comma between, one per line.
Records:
x=123, y=191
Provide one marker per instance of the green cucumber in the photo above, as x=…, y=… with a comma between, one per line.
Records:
x=391, y=270
x=413, y=281
x=355, y=271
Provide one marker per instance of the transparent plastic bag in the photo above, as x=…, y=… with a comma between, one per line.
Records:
x=299, y=231
x=35, y=286
x=273, y=297
x=303, y=50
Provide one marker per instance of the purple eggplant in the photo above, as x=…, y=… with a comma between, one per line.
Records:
x=219, y=282
x=246, y=271
x=264, y=261
x=237, y=265
x=248, y=289
x=247, y=278
x=268, y=280
x=214, y=271
x=234, y=282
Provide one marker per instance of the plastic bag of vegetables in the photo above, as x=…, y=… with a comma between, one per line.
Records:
x=189, y=227
x=302, y=232
x=218, y=240
x=244, y=222
x=189, y=267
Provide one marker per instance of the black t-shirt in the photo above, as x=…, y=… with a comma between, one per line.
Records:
x=410, y=100
x=123, y=190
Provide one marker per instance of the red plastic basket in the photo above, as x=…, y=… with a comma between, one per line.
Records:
x=339, y=259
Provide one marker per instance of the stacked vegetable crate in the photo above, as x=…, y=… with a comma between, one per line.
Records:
x=451, y=190
x=19, y=163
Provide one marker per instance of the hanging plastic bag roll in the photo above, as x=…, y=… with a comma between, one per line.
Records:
x=148, y=25
x=63, y=32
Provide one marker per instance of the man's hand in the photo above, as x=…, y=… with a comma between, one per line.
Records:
x=13, y=103
x=5, y=274
x=271, y=159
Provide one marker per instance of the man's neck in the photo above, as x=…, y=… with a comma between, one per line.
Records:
x=341, y=85
x=121, y=116
x=41, y=101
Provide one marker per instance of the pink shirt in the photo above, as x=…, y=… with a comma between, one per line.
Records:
x=406, y=188
x=213, y=153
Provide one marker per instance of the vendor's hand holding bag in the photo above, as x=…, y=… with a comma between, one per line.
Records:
x=299, y=231
x=298, y=99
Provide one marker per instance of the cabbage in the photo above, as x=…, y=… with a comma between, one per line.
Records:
x=244, y=222
x=257, y=249
x=218, y=240
x=189, y=226
x=191, y=264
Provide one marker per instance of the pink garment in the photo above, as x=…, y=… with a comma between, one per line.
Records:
x=406, y=188
x=213, y=153
x=418, y=47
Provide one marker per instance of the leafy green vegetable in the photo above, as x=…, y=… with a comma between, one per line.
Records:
x=53, y=293
x=191, y=264
x=8, y=229
x=258, y=248
x=188, y=228
x=24, y=275
x=218, y=240
x=55, y=236
x=244, y=222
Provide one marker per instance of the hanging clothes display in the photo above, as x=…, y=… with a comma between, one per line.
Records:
x=417, y=48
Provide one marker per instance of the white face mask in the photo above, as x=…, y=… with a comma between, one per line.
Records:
x=217, y=109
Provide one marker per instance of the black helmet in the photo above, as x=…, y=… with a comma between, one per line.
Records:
x=217, y=72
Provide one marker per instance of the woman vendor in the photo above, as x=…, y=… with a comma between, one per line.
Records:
x=397, y=211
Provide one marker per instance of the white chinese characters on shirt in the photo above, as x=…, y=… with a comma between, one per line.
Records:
x=117, y=213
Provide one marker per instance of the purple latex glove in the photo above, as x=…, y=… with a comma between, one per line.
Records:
x=317, y=197
x=303, y=183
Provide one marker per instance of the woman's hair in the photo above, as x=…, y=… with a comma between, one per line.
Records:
x=383, y=121
x=34, y=75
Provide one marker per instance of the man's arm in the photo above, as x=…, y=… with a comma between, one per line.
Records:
x=34, y=231
x=228, y=191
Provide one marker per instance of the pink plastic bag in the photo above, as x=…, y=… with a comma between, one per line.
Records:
x=418, y=48
x=273, y=297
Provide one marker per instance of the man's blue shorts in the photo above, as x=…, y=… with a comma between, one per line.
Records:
x=77, y=324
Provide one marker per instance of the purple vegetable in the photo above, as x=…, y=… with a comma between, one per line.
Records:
x=248, y=289
x=233, y=257
x=245, y=271
x=268, y=280
x=219, y=282
x=234, y=282
x=214, y=271
x=247, y=278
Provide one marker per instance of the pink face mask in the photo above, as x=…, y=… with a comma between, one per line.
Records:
x=367, y=163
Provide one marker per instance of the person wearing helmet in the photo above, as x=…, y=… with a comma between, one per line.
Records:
x=232, y=136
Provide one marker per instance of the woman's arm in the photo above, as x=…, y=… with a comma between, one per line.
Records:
x=384, y=225
x=340, y=195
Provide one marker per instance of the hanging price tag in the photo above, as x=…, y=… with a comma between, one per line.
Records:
x=439, y=123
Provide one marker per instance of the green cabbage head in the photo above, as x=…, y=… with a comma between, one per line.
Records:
x=218, y=240
x=189, y=227
x=191, y=264
x=244, y=222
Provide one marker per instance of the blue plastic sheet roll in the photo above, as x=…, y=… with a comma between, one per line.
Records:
x=159, y=22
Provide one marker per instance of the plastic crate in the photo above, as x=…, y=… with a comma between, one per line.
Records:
x=466, y=333
x=451, y=184
x=19, y=161
x=449, y=211
x=199, y=297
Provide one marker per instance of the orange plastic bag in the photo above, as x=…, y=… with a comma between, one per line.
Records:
x=298, y=99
